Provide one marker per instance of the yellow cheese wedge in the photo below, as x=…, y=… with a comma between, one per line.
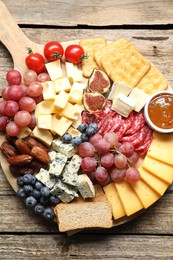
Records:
x=43, y=135
x=54, y=69
x=161, y=148
x=61, y=100
x=159, y=169
x=62, y=84
x=44, y=122
x=146, y=195
x=128, y=197
x=70, y=111
x=113, y=197
x=62, y=126
x=155, y=183
x=48, y=91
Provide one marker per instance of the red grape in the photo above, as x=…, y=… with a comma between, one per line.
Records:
x=95, y=138
x=13, y=77
x=106, y=182
x=111, y=138
x=86, y=149
x=35, y=89
x=4, y=93
x=107, y=160
x=15, y=92
x=126, y=148
x=101, y=174
x=2, y=108
x=88, y=164
x=43, y=77
x=120, y=161
x=29, y=77
x=27, y=103
x=22, y=118
x=91, y=175
x=11, y=108
x=3, y=122
x=32, y=124
x=132, y=175
x=24, y=88
x=12, y=129
x=117, y=175
x=134, y=158
x=102, y=146
x=38, y=99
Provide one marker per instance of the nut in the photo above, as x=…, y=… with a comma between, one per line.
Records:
x=17, y=170
x=22, y=146
x=40, y=154
x=33, y=142
x=8, y=149
x=19, y=160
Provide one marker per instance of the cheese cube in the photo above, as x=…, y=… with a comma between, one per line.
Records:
x=55, y=121
x=54, y=69
x=44, y=122
x=117, y=88
x=48, y=91
x=62, y=126
x=123, y=105
x=24, y=132
x=74, y=132
x=61, y=100
x=140, y=97
x=76, y=92
x=44, y=108
x=43, y=135
x=77, y=122
x=70, y=111
x=62, y=84
x=74, y=74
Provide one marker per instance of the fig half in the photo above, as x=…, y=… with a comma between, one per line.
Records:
x=98, y=82
x=93, y=101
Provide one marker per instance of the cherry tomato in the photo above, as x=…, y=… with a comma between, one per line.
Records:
x=53, y=51
x=75, y=54
x=35, y=61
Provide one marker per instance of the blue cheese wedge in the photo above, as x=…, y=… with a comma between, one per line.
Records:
x=85, y=186
x=52, y=155
x=57, y=165
x=64, y=197
x=45, y=178
x=70, y=173
x=66, y=149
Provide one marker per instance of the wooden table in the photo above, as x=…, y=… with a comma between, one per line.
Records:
x=149, y=24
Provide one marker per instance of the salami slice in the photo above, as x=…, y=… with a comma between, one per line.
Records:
x=87, y=117
x=129, y=121
x=141, y=137
x=138, y=123
x=120, y=131
x=113, y=124
x=105, y=121
x=143, y=148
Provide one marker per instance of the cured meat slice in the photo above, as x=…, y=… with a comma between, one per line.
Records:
x=120, y=131
x=138, y=123
x=104, y=122
x=114, y=124
x=143, y=148
x=129, y=121
x=88, y=117
x=141, y=137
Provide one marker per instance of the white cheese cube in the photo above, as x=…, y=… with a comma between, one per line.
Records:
x=140, y=97
x=54, y=69
x=117, y=88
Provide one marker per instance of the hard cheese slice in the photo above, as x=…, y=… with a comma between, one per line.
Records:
x=155, y=183
x=113, y=197
x=128, y=197
x=158, y=169
x=161, y=148
x=146, y=195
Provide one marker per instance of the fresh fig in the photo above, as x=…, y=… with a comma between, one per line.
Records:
x=98, y=82
x=93, y=101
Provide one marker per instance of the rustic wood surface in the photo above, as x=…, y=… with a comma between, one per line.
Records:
x=149, y=24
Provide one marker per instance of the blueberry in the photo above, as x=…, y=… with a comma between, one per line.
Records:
x=54, y=200
x=31, y=202
x=39, y=208
x=38, y=185
x=27, y=178
x=33, y=181
x=36, y=194
x=21, y=193
x=66, y=138
x=82, y=127
x=95, y=126
x=77, y=140
x=44, y=201
x=48, y=214
x=84, y=137
x=20, y=181
x=27, y=188
x=45, y=192
x=90, y=131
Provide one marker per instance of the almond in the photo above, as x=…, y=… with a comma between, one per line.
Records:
x=40, y=154
x=20, y=159
x=22, y=146
x=8, y=149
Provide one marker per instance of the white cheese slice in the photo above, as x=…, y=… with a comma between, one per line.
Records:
x=123, y=105
x=54, y=69
x=117, y=88
x=140, y=97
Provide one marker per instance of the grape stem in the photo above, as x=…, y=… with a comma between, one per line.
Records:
x=129, y=162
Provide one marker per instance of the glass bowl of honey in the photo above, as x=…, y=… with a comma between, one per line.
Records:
x=158, y=111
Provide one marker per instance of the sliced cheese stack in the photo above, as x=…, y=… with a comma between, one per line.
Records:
x=156, y=175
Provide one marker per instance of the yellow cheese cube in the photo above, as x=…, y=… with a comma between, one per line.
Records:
x=44, y=108
x=43, y=135
x=61, y=100
x=77, y=122
x=70, y=111
x=44, y=122
x=76, y=96
x=62, y=84
x=48, y=91
x=55, y=120
x=62, y=126
x=74, y=74
x=128, y=197
x=74, y=132
x=24, y=132
x=112, y=196
x=54, y=69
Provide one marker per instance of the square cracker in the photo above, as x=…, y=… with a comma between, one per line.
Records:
x=131, y=69
x=99, y=53
x=110, y=60
x=153, y=81
x=89, y=45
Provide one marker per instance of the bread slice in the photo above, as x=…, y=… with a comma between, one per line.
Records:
x=88, y=214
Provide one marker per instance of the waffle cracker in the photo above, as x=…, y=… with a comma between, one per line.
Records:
x=111, y=59
x=131, y=68
x=99, y=53
x=89, y=45
x=153, y=81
